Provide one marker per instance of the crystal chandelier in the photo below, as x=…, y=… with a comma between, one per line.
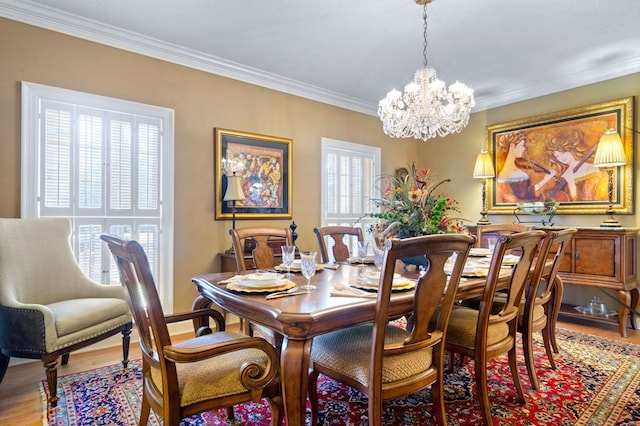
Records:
x=427, y=108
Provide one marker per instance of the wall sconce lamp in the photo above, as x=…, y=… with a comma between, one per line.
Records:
x=610, y=154
x=483, y=169
x=233, y=193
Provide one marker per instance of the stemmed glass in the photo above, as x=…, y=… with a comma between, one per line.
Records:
x=308, y=263
x=378, y=257
x=288, y=256
x=363, y=249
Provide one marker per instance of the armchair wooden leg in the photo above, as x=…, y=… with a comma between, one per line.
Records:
x=4, y=365
x=50, y=364
x=312, y=391
x=64, y=359
x=126, y=340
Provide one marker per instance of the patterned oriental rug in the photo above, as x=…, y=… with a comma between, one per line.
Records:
x=597, y=383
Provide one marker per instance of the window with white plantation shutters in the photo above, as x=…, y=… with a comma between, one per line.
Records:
x=348, y=183
x=107, y=164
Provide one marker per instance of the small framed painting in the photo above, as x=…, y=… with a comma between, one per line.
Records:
x=263, y=165
x=550, y=159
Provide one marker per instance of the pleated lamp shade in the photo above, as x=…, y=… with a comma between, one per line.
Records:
x=610, y=152
x=484, y=166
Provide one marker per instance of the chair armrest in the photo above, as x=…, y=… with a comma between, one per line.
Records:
x=252, y=375
x=202, y=315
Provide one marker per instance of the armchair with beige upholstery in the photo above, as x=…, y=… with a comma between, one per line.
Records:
x=215, y=369
x=337, y=234
x=385, y=361
x=48, y=306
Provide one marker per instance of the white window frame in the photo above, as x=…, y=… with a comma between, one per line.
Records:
x=32, y=96
x=351, y=219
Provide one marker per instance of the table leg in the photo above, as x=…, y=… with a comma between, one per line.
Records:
x=294, y=370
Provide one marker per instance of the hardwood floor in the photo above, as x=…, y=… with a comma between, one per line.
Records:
x=20, y=399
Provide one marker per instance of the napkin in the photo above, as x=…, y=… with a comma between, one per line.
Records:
x=345, y=290
x=331, y=265
x=232, y=279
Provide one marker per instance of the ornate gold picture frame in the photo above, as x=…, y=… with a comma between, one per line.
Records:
x=550, y=157
x=264, y=165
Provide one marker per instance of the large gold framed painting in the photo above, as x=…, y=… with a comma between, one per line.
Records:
x=550, y=158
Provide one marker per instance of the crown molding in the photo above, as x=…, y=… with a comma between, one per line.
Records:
x=73, y=25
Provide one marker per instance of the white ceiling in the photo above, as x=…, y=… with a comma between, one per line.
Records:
x=350, y=53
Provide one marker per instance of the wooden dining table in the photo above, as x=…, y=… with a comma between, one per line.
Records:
x=301, y=317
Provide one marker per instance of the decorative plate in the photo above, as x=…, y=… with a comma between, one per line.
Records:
x=240, y=287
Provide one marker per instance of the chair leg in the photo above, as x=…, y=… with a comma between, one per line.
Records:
x=4, y=364
x=546, y=338
x=230, y=414
x=64, y=359
x=527, y=346
x=145, y=411
x=482, y=389
x=277, y=410
x=437, y=394
x=126, y=340
x=513, y=365
x=50, y=364
x=312, y=390
x=552, y=315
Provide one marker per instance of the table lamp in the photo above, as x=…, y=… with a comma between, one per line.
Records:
x=610, y=154
x=483, y=169
x=234, y=193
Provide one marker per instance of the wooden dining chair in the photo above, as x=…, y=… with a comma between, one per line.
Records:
x=334, y=237
x=261, y=241
x=215, y=369
x=491, y=330
x=385, y=361
x=539, y=312
x=495, y=230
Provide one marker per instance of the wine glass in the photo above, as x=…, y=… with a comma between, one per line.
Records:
x=363, y=249
x=308, y=263
x=288, y=255
x=378, y=257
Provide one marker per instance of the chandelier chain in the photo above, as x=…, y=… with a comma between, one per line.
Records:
x=424, y=49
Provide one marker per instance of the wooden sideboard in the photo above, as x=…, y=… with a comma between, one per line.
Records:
x=228, y=261
x=604, y=258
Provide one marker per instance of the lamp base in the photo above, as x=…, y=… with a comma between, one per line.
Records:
x=483, y=221
x=610, y=222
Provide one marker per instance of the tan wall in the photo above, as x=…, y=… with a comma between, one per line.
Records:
x=202, y=101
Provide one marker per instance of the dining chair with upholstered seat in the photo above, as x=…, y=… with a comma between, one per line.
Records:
x=495, y=230
x=540, y=311
x=48, y=306
x=491, y=330
x=259, y=242
x=385, y=361
x=334, y=237
x=215, y=369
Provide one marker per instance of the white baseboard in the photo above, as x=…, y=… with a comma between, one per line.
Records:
x=175, y=329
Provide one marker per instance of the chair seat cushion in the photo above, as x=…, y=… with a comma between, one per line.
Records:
x=79, y=314
x=462, y=328
x=214, y=377
x=348, y=352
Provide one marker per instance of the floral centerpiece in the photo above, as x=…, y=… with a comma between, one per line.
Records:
x=411, y=206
